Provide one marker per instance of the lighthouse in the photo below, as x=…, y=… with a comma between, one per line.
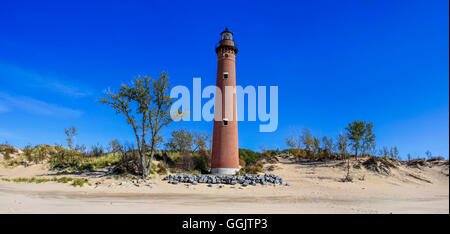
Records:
x=225, y=148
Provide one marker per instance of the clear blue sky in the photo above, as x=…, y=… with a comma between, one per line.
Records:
x=334, y=62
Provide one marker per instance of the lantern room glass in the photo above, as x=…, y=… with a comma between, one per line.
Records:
x=227, y=35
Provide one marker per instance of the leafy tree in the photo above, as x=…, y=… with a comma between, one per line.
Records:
x=146, y=106
x=316, y=146
x=70, y=133
x=294, y=145
x=181, y=141
x=307, y=140
x=291, y=142
x=328, y=145
x=302, y=144
x=114, y=146
x=360, y=134
x=368, y=139
x=342, y=144
x=201, y=140
x=193, y=149
x=294, y=142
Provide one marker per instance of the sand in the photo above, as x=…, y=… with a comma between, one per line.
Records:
x=315, y=188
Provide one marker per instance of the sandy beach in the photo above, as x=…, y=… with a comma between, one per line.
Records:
x=315, y=188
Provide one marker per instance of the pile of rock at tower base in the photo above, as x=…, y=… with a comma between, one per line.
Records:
x=244, y=180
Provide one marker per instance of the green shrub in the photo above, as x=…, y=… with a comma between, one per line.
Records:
x=31, y=180
x=162, y=168
x=250, y=157
x=65, y=159
x=153, y=169
x=96, y=150
x=5, y=147
x=41, y=155
x=128, y=163
x=241, y=162
x=27, y=153
x=202, y=161
x=73, y=160
x=63, y=180
x=80, y=182
x=35, y=180
x=252, y=169
x=7, y=155
x=41, y=152
x=172, y=155
x=187, y=162
x=13, y=163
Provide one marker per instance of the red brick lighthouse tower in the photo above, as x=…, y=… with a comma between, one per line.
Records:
x=225, y=149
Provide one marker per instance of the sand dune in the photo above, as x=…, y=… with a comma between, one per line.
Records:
x=315, y=188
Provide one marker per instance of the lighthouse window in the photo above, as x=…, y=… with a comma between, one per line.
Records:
x=225, y=123
x=225, y=75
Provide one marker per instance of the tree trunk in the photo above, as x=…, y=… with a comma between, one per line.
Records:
x=152, y=153
x=348, y=166
x=144, y=168
x=150, y=163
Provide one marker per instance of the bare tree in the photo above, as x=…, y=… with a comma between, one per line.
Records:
x=70, y=133
x=396, y=153
x=385, y=152
x=342, y=147
x=428, y=154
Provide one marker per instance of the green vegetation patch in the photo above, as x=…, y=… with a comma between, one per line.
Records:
x=73, y=160
x=80, y=182
x=63, y=180
x=250, y=157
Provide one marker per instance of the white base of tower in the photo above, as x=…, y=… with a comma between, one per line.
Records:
x=224, y=171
